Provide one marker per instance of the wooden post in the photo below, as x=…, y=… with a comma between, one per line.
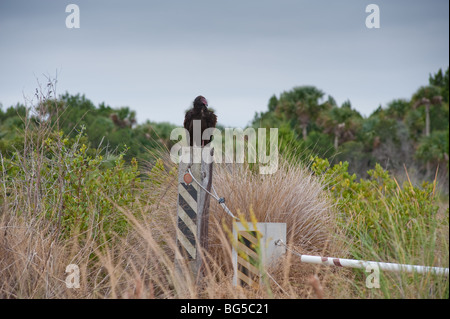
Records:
x=193, y=212
x=203, y=209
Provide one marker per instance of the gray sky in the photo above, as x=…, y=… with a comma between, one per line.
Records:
x=157, y=56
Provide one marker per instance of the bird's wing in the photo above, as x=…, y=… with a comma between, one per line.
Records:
x=187, y=120
x=211, y=119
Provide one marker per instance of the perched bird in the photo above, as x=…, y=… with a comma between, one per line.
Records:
x=199, y=112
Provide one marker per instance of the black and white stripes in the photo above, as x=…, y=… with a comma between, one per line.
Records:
x=187, y=219
x=248, y=259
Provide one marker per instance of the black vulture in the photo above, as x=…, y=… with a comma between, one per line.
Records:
x=199, y=112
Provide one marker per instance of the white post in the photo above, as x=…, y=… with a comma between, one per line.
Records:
x=362, y=264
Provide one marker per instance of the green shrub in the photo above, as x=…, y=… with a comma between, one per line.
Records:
x=378, y=214
x=75, y=188
x=93, y=196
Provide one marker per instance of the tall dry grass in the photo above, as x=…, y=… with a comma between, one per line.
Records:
x=140, y=263
x=145, y=265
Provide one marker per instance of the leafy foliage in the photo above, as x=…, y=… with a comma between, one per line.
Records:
x=371, y=208
x=393, y=136
x=106, y=128
x=65, y=177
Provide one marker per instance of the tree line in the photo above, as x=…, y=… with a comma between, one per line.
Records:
x=110, y=129
x=410, y=132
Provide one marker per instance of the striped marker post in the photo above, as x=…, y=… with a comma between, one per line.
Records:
x=193, y=213
x=251, y=254
x=248, y=259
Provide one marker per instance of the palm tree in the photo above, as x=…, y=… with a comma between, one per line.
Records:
x=302, y=104
x=427, y=96
x=124, y=117
x=304, y=115
x=342, y=122
x=339, y=130
x=397, y=109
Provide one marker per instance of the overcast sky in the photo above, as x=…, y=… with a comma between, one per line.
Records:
x=157, y=56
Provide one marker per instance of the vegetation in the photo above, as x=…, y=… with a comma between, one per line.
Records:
x=89, y=186
x=411, y=133
x=388, y=221
x=106, y=128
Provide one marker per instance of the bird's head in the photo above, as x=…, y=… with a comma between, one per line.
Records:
x=200, y=103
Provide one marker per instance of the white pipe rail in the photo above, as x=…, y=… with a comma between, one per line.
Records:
x=362, y=264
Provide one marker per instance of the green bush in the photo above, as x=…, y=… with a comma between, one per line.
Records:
x=75, y=188
x=379, y=215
